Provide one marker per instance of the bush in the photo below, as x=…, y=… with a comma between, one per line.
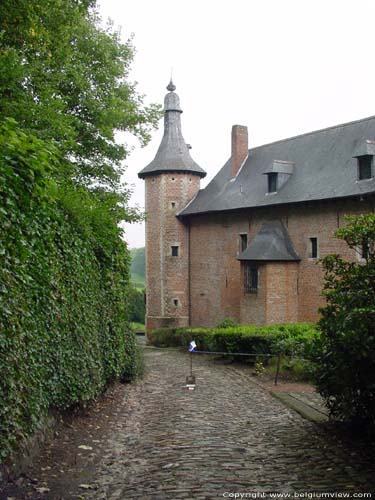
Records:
x=225, y=323
x=137, y=307
x=345, y=354
x=291, y=339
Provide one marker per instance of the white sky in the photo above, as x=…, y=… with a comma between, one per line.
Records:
x=281, y=67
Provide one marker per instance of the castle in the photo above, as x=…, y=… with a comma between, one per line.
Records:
x=247, y=246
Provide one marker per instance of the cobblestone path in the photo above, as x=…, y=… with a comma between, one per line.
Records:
x=154, y=440
x=227, y=436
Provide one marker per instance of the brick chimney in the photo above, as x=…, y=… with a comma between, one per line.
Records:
x=240, y=148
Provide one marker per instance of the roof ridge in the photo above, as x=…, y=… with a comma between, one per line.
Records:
x=314, y=132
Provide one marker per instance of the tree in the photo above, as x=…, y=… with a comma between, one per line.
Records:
x=345, y=354
x=65, y=79
x=138, y=262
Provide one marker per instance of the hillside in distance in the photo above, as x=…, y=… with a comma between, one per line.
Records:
x=137, y=268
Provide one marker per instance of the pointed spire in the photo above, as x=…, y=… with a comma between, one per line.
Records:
x=173, y=153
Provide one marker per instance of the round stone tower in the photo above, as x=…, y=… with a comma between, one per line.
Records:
x=172, y=180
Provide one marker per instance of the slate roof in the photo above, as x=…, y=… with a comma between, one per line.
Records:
x=324, y=167
x=173, y=154
x=272, y=242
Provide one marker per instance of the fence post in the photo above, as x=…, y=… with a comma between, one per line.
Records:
x=278, y=367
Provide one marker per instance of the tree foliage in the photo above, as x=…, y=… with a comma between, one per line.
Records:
x=64, y=268
x=138, y=263
x=346, y=352
x=137, y=306
x=66, y=79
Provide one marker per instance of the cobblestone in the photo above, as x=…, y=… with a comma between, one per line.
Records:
x=228, y=435
x=159, y=441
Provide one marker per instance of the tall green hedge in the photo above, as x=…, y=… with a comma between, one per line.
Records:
x=63, y=291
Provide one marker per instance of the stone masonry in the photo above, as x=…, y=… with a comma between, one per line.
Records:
x=287, y=292
x=167, y=275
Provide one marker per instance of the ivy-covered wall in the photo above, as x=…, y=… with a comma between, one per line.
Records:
x=63, y=290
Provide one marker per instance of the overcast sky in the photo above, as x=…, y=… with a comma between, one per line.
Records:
x=281, y=67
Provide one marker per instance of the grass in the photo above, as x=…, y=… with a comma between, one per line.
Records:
x=138, y=326
x=294, y=369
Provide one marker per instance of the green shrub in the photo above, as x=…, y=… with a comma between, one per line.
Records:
x=291, y=339
x=137, y=307
x=345, y=354
x=63, y=291
x=225, y=323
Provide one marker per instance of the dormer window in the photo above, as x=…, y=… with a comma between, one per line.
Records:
x=365, y=167
x=272, y=182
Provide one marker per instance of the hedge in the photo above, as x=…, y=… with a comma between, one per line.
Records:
x=63, y=292
x=295, y=339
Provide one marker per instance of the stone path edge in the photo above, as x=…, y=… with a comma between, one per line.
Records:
x=303, y=409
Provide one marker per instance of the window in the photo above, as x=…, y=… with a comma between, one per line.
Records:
x=174, y=251
x=364, y=167
x=251, y=278
x=272, y=182
x=176, y=302
x=243, y=242
x=313, y=252
x=173, y=204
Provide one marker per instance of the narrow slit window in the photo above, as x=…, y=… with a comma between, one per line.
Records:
x=243, y=242
x=174, y=251
x=313, y=248
x=364, y=167
x=272, y=182
x=173, y=204
x=176, y=302
x=251, y=278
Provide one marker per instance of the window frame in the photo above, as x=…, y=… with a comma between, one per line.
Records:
x=243, y=242
x=251, y=277
x=361, y=166
x=272, y=178
x=313, y=245
x=175, y=250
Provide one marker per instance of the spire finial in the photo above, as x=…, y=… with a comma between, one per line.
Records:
x=171, y=86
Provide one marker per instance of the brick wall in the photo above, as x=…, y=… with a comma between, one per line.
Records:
x=287, y=291
x=167, y=276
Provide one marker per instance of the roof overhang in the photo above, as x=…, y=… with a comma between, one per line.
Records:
x=271, y=243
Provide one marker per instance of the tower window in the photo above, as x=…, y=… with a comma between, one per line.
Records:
x=176, y=302
x=173, y=204
x=272, y=182
x=243, y=242
x=313, y=252
x=250, y=278
x=174, y=251
x=364, y=167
